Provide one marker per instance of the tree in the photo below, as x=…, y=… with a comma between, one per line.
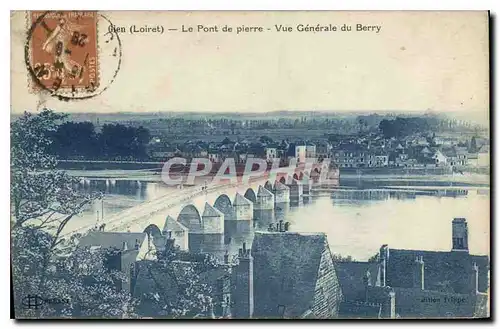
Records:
x=340, y=259
x=44, y=200
x=75, y=139
x=473, y=144
x=179, y=289
x=265, y=139
x=373, y=258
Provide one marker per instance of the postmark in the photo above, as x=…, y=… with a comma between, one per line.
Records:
x=65, y=54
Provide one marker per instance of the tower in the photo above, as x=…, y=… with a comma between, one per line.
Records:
x=460, y=235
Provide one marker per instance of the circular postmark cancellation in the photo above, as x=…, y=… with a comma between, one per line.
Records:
x=68, y=56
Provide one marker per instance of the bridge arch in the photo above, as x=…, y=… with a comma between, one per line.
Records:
x=283, y=179
x=190, y=217
x=153, y=230
x=295, y=176
x=250, y=195
x=223, y=204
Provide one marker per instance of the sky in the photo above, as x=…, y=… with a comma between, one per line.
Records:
x=418, y=61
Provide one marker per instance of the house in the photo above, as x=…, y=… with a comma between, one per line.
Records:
x=417, y=283
x=323, y=150
x=381, y=159
x=437, y=284
x=271, y=152
x=363, y=297
x=455, y=156
x=256, y=150
x=293, y=276
x=214, y=155
x=440, y=159
x=310, y=151
x=125, y=249
x=462, y=156
x=420, y=141
x=300, y=152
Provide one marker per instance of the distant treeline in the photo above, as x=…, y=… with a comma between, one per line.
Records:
x=403, y=127
x=73, y=140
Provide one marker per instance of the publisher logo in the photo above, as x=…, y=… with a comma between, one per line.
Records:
x=36, y=302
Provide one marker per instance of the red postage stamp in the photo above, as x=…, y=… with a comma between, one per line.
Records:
x=63, y=50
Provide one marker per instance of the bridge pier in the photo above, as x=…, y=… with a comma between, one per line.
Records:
x=281, y=210
x=238, y=230
x=265, y=199
x=306, y=185
x=296, y=192
x=281, y=193
x=179, y=232
x=213, y=220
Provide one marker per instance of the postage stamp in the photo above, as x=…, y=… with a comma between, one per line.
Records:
x=63, y=50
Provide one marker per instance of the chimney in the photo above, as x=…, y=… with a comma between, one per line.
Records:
x=367, y=282
x=137, y=244
x=226, y=258
x=474, y=278
x=282, y=227
x=418, y=273
x=243, y=285
x=287, y=226
x=271, y=227
x=169, y=243
x=124, y=246
x=383, y=260
x=460, y=235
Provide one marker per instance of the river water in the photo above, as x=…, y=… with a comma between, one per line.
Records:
x=356, y=223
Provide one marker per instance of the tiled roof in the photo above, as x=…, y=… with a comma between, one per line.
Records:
x=449, y=152
x=359, y=310
x=415, y=303
x=111, y=239
x=442, y=269
x=286, y=267
x=352, y=275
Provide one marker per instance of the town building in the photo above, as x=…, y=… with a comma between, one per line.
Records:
x=293, y=276
x=122, y=250
x=420, y=283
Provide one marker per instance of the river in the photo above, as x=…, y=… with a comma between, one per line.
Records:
x=356, y=224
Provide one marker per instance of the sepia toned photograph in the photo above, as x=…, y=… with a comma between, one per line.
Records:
x=249, y=165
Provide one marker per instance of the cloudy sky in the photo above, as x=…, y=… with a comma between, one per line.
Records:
x=418, y=61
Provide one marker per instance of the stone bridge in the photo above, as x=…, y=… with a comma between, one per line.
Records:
x=206, y=210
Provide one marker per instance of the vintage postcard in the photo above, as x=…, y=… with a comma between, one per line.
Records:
x=250, y=165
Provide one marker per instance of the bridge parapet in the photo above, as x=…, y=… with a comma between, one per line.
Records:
x=183, y=205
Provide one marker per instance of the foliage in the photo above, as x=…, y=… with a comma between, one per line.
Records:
x=74, y=277
x=115, y=141
x=341, y=259
x=180, y=291
x=373, y=258
x=44, y=200
x=402, y=127
x=265, y=140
